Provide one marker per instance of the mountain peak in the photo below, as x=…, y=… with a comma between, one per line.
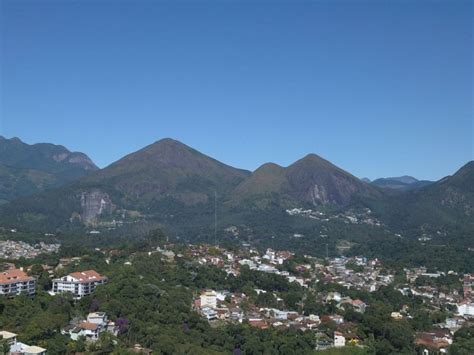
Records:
x=313, y=157
x=12, y=140
x=31, y=168
x=169, y=141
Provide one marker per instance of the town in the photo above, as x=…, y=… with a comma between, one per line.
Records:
x=324, y=297
x=14, y=250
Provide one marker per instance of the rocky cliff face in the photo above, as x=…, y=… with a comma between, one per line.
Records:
x=95, y=203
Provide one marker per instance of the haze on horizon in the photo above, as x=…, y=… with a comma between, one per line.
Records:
x=379, y=88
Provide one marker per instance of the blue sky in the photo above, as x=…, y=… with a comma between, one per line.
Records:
x=380, y=88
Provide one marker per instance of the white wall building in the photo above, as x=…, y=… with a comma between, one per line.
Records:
x=466, y=308
x=339, y=340
x=80, y=283
x=209, y=299
x=14, y=282
x=17, y=347
x=95, y=324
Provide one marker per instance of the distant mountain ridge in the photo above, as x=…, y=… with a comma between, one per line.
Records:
x=402, y=183
x=171, y=184
x=26, y=169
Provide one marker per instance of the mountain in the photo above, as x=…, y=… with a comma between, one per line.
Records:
x=311, y=180
x=447, y=204
x=166, y=169
x=165, y=180
x=26, y=169
x=168, y=184
x=402, y=183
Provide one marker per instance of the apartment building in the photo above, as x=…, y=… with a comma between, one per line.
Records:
x=14, y=282
x=80, y=284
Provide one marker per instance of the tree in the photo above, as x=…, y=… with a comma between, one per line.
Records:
x=4, y=346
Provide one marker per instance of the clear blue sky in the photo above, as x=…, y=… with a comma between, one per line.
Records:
x=380, y=88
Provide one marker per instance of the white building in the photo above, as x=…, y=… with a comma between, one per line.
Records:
x=14, y=282
x=80, y=283
x=209, y=313
x=209, y=299
x=334, y=296
x=10, y=337
x=466, y=308
x=95, y=324
x=19, y=348
x=339, y=340
x=267, y=268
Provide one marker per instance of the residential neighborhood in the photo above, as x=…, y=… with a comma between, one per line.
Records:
x=14, y=250
x=335, y=290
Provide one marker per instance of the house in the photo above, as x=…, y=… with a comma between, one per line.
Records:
x=80, y=283
x=88, y=330
x=339, y=340
x=359, y=306
x=396, y=315
x=14, y=282
x=336, y=318
x=438, y=340
x=334, y=296
x=466, y=308
x=209, y=299
x=267, y=268
x=91, y=328
x=10, y=337
x=209, y=313
x=19, y=348
x=258, y=323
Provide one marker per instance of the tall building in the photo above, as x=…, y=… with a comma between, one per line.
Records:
x=14, y=282
x=209, y=299
x=80, y=283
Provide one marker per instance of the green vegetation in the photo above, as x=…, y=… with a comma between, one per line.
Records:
x=463, y=342
x=152, y=299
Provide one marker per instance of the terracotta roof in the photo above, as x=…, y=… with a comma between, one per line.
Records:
x=88, y=326
x=258, y=323
x=87, y=276
x=13, y=276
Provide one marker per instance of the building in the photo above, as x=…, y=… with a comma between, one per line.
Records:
x=209, y=299
x=80, y=283
x=339, y=340
x=14, y=282
x=10, y=337
x=466, y=308
x=19, y=348
x=91, y=328
x=209, y=313
x=359, y=306
x=396, y=315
